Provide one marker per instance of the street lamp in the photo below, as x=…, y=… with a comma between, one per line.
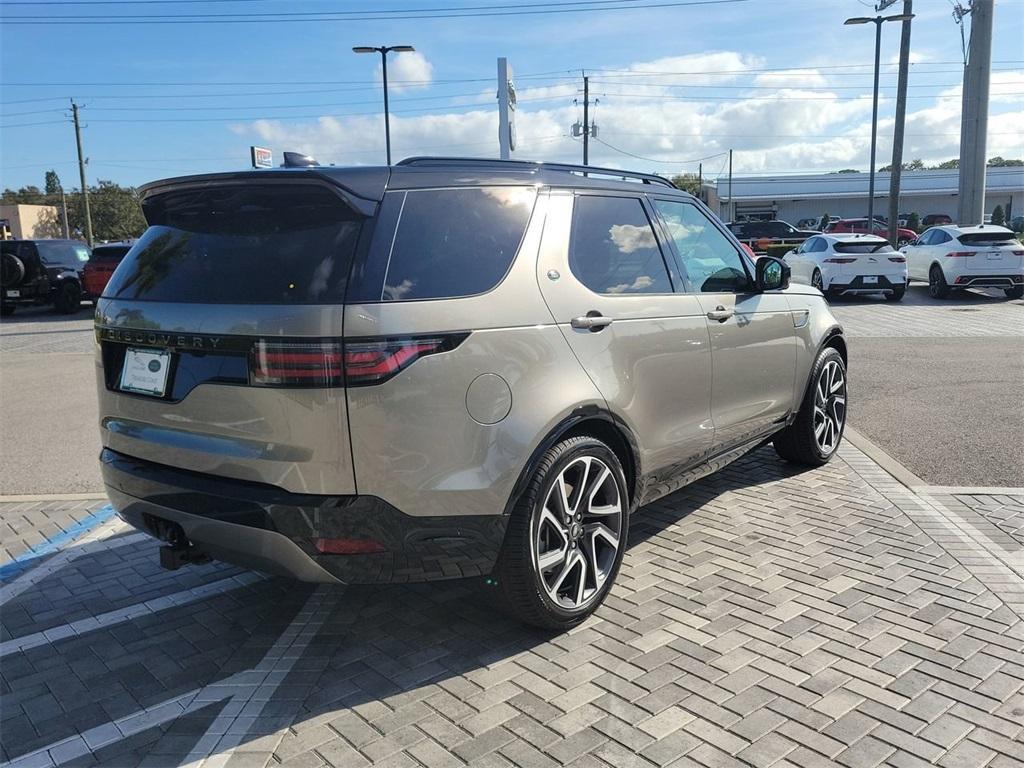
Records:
x=878, y=21
x=384, y=50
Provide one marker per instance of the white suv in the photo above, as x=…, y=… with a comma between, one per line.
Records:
x=848, y=263
x=951, y=257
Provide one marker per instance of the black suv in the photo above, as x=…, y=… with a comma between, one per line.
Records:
x=40, y=272
x=776, y=230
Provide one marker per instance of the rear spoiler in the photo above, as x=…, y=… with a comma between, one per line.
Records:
x=361, y=188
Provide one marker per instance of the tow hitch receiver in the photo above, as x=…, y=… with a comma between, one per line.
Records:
x=173, y=557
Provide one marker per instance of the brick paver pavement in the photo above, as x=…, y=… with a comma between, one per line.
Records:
x=762, y=617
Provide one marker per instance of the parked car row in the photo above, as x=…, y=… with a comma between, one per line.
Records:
x=947, y=257
x=57, y=273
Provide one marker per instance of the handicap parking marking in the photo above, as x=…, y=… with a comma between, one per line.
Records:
x=112, y=618
x=246, y=693
x=23, y=561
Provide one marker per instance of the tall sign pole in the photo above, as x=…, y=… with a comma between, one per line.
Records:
x=506, y=110
x=974, y=116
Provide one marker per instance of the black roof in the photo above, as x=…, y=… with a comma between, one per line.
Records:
x=369, y=183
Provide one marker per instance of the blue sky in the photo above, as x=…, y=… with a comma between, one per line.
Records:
x=782, y=82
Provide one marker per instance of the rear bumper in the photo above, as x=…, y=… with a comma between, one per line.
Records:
x=271, y=530
x=972, y=280
x=885, y=284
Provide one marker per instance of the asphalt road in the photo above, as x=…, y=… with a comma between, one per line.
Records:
x=951, y=409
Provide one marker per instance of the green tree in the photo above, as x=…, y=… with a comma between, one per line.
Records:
x=999, y=216
x=52, y=184
x=914, y=222
x=949, y=165
x=847, y=170
x=688, y=182
x=999, y=162
x=116, y=213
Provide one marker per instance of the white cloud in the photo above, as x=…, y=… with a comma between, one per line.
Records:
x=407, y=71
x=657, y=110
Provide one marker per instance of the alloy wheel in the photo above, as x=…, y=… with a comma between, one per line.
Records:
x=579, y=533
x=829, y=407
x=816, y=281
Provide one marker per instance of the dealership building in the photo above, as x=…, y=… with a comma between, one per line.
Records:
x=791, y=198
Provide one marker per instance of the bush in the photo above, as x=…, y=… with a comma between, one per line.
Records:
x=914, y=222
x=998, y=217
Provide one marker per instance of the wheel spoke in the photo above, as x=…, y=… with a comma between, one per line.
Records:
x=551, y=558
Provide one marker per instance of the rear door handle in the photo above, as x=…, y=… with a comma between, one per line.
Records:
x=721, y=314
x=590, y=322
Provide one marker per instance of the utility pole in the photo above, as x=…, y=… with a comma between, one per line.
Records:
x=874, y=130
x=901, y=117
x=64, y=213
x=974, y=116
x=700, y=181
x=586, y=120
x=731, y=209
x=81, y=176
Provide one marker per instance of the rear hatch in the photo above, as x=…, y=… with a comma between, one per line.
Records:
x=994, y=252
x=868, y=258
x=219, y=334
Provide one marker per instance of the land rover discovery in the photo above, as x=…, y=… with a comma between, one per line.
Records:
x=445, y=368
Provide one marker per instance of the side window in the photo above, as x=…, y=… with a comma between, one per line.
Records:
x=709, y=260
x=926, y=237
x=613, y=248
x=455, y=242
x=820, y=245
x=940, y=236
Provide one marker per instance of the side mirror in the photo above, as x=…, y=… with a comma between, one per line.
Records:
x=771, y=274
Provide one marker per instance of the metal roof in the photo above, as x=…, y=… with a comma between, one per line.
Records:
x=828, y=185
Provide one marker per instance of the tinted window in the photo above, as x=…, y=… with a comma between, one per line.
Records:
x=109, y=252
x=613, y=247
x=62, y=252
x=988, y=238
x=868, y=247
x=778, y=229
x=820, y=245
x=941, y=236
x=456, y=242
x=709, y=260
x=258, y=244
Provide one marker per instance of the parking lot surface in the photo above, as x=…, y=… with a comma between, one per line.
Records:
x=762, y=617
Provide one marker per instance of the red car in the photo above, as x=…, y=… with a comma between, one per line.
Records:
x=101, y=265
x=903, y=235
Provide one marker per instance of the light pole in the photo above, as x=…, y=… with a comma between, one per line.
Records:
x=384, y=50
x=878, y=22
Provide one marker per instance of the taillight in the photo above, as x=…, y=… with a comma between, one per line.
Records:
x=960, y=254
x=898, y=259
x=336, y=364
x=374, y=361
x=839, y=261
x=297, y=364
x=1017, y=253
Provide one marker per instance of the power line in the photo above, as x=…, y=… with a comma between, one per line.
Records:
x=323, y=16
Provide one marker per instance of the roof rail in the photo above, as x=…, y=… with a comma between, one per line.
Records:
x=646, y=178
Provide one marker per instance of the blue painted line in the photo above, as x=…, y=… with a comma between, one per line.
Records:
x=24, y=561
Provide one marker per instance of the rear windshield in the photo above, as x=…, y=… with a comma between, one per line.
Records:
x=257, y=244
x=988, y=238
x=863, y=248
x=109, y=252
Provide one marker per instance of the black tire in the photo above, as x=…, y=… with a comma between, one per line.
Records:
x=12, y=271
x=1017, y=292
x=897, y=293
x=797, y=442
x=938, y=288
x=817, y=282
x=6, y=310
x=69, y=298
x=517, y=572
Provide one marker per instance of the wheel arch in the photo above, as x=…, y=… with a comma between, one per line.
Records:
x=587, y=420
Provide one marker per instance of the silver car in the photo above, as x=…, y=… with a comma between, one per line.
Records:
x=446, y=368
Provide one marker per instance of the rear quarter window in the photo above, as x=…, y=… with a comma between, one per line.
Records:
x=454, y=242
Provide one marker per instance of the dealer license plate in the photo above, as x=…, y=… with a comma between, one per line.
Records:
x=871, y=279
x=145, y=371
x=13, y=294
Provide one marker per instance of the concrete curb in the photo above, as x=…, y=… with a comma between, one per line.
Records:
x=900, y=473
